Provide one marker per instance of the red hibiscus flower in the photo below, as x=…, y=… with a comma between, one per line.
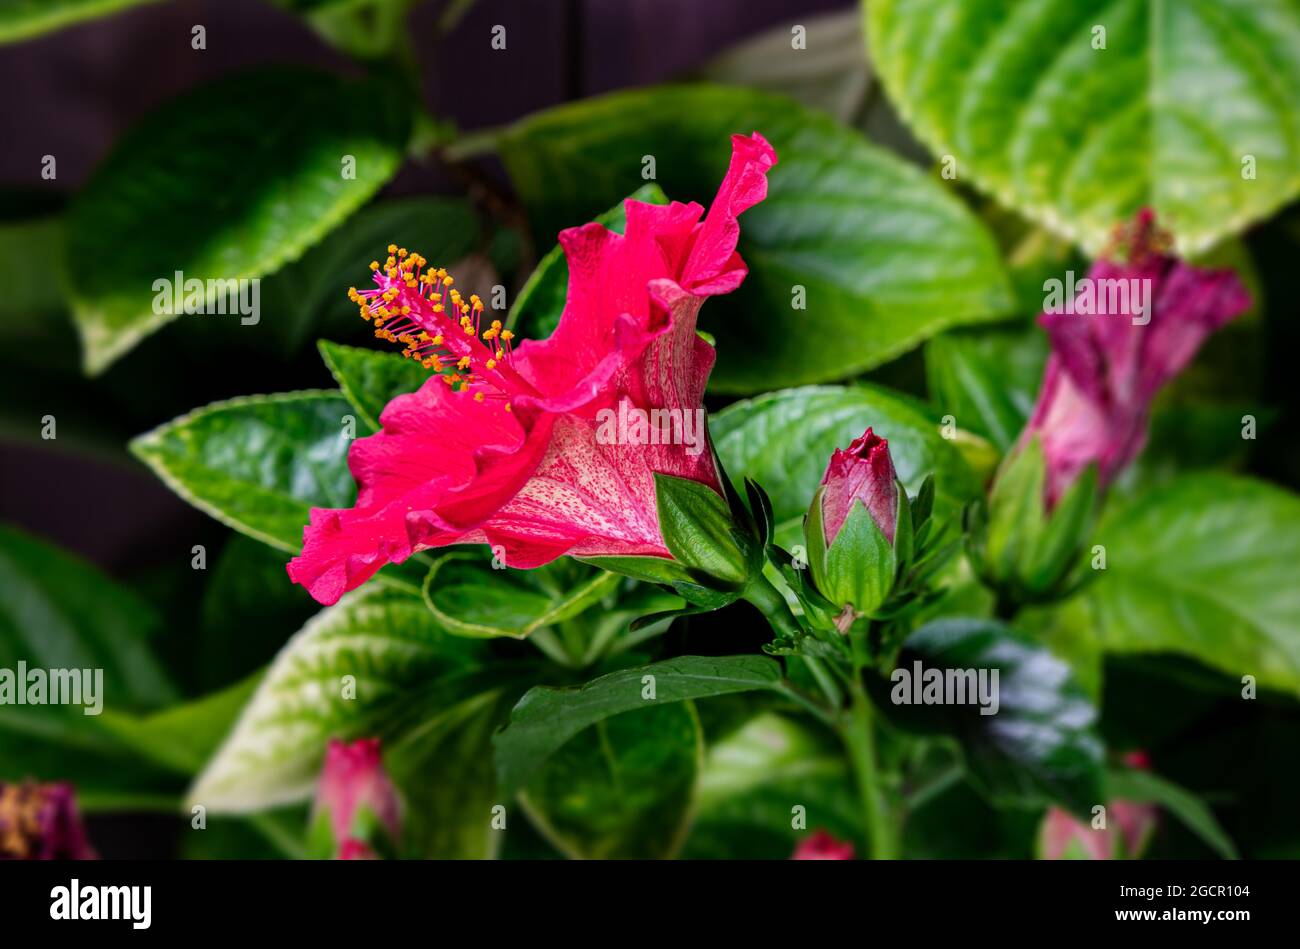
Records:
x=501, y=446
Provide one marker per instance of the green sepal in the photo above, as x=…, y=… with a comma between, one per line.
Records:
x=860, y=565
x=700, y=530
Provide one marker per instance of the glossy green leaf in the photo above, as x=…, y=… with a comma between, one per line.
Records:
x=373, y=665
x=24, y=19
x=1079, y=137
x=783, y=440
x=545, y=718
x=537, y=309
x=882, y=256
x=1039, y=746
x=469, y=596
x=259, y=463
x=622, y=788
x=1207, y=566
x=371, y=378
x=229, y=182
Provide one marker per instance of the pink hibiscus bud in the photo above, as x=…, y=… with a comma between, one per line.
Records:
x=862, y=472
x=40, y=822
x=852, y=527
x=1113, y=352
x=820, y=845
x=357, y=812
x=551, y=447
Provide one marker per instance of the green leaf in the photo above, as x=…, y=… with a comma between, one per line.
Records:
x=1078, y=138
x=886, y=257
x=622, y=788
x=258, y=463
x=445, y=773
x=1207, y=566
x=183, y=737
x=24, y=19
x=468, y=597
x=987, y=380
x=540, y=303
x=1143, y=787
x=59, y=612
x=783, y=440
x=546, y=717
x=405, y=673
x=229, y=182
x=371, y=378
x=1039, y=746
x=751, y=781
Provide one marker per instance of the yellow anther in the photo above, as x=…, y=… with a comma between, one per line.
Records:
x=392, y=248
x=507, y=335
x=374, y=265
x=463, y=363
x=478, y=396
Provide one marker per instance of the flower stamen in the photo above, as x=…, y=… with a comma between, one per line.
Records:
x=419, y=307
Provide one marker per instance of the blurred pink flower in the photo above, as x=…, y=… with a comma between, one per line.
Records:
x=501, y=447
x=862, y=472
x=820, y=845
x=40, y=822
x=354, y=779
x=1105, y=370
x=1128, y=828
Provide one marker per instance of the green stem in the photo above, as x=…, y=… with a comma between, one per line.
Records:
x=859, y=737
x=772, y=604
x=860, y=740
